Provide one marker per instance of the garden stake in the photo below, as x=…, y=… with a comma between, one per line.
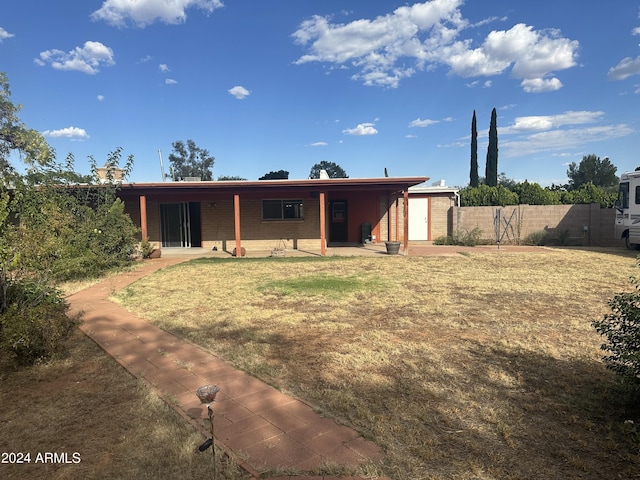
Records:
x=207, y=395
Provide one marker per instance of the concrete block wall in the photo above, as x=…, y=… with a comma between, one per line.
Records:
x=587, y=225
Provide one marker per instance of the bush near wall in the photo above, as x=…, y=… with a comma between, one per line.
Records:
x=526, y=193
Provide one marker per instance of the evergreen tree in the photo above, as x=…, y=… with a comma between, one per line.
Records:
x=600, y=172
x=473, y=175
x=491, y=172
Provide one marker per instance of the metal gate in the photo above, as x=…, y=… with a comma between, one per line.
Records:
x=507, y=226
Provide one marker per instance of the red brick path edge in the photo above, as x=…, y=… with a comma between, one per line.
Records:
x=262, y=428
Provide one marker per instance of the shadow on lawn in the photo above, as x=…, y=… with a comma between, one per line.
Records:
x=499, y=413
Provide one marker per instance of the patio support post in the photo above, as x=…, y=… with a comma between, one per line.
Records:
x=143, y=217
x=397, y=232
x=323, y=223
x=406, y=220
x=236, y=214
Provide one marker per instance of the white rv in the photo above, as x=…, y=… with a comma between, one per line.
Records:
x=627, y=225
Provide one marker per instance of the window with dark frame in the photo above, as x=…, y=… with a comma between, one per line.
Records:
x=282, y=210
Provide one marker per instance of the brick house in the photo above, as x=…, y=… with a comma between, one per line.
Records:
x=262, y=215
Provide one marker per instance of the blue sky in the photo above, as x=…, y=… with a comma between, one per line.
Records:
x=284, y=84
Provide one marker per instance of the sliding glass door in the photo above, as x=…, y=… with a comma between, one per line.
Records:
x=180, y=224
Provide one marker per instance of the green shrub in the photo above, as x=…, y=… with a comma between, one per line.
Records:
x=443, y=240
x=534, y=194
x=467, y=238
x=622, y=331
x=590, y=193
x=146, y=248
x=536, y=238
x=34, y=323
x=483, y=195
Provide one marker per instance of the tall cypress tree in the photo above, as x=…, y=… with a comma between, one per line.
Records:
x=473, y=175
x=491, y=172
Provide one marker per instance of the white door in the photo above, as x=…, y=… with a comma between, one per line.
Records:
x=419, y=218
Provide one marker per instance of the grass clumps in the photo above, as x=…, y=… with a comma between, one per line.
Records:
x=318, y=285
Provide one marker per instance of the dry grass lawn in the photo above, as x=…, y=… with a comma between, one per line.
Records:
x=480, y=366
x=88, y=404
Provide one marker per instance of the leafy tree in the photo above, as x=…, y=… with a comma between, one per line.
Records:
x=279, y=175
x=473, y=175
x=600, y=172
x=51, y=228
x=506, y=182
x=333, y=170
x=190, y=161
x=491, y=172
x=14, y=135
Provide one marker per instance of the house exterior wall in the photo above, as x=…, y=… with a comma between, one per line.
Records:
x=441, y=204
x=361, y=208
x=218, y=227
x=383, y=226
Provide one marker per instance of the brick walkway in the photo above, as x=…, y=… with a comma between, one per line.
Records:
x=264, y=429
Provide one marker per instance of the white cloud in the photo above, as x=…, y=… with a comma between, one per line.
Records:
x=362, y=129
x=635, y=31
x=562, y=139
x=239, y=92
x=537, y=85
x=145, y=12
x=411, y=38
x=73, y=133
x=537, y=123
x=625, y=69
x=170, y=81
x=532, y=56
x=100, y=98
x=4, y=34
x=85, y=59
x=164, y=68
x=564, y=131
x=319, y=144
x=422, y=123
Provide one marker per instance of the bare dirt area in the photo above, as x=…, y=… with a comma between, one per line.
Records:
x=478, y=365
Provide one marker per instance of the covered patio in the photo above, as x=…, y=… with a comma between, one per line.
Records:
x=311, y=215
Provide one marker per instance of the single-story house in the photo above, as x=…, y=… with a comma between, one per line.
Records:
x=268, y=214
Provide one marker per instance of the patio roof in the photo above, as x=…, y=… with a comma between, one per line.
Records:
x=333, y=184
